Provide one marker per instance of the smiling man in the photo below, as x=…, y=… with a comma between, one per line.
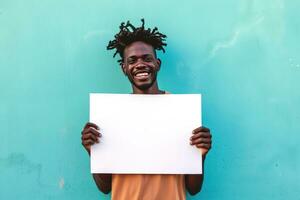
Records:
x=141, y=76
x=137, y=49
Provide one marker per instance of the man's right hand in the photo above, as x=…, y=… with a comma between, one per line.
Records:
x=89, y=136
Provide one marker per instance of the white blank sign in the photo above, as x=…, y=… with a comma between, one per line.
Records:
x=145, y=134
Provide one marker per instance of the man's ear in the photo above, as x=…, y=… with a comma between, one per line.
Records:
x=123, y=68
x=158, y=63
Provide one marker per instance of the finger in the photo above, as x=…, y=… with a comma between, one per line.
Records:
x=205, y=146
x=201, y=140
x=90, y=124
x=90, y=136
x=87, y=143
x=91, y=130
x=201, y=129
x=201, y=134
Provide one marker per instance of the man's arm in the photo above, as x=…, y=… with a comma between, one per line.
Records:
x=201, y=139
x=193, y=182
x=103, y=182
x=90, y=136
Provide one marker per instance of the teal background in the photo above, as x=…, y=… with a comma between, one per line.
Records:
x=241, y=55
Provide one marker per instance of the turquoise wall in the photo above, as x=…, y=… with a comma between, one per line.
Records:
x=242, y=55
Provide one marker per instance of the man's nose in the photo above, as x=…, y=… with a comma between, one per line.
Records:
x=140, y=65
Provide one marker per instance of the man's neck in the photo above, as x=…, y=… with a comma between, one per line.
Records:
x=152, y=90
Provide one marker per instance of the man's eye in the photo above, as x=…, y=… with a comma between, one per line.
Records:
x=131, y=61
x=148, y=59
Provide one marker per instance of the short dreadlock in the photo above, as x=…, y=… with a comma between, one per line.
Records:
x=126, y=36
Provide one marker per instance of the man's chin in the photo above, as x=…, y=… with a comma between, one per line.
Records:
x=142, y=86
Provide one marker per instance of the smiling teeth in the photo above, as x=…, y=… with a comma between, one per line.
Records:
x=142, y=74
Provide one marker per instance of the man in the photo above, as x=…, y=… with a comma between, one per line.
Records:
x=137, y=48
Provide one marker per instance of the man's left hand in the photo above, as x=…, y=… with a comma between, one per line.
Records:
x=201, y=138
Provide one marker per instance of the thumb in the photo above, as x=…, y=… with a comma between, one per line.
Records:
x=203, y=151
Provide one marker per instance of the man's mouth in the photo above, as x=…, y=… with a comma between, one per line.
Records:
x=142, y=75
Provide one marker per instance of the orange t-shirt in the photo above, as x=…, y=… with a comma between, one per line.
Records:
x=148, y=187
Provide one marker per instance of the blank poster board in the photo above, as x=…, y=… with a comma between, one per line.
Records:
x=146, y=134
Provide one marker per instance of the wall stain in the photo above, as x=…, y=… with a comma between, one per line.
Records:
x=21, y=165
x=61, y=183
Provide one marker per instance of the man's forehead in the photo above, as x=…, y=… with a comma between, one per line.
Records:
x=138, y=49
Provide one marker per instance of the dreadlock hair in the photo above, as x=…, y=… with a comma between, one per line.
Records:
x=129, y=34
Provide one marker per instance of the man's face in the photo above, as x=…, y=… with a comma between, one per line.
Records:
x=140, y=65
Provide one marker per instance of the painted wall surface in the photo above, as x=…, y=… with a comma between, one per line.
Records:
x=242, y=55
